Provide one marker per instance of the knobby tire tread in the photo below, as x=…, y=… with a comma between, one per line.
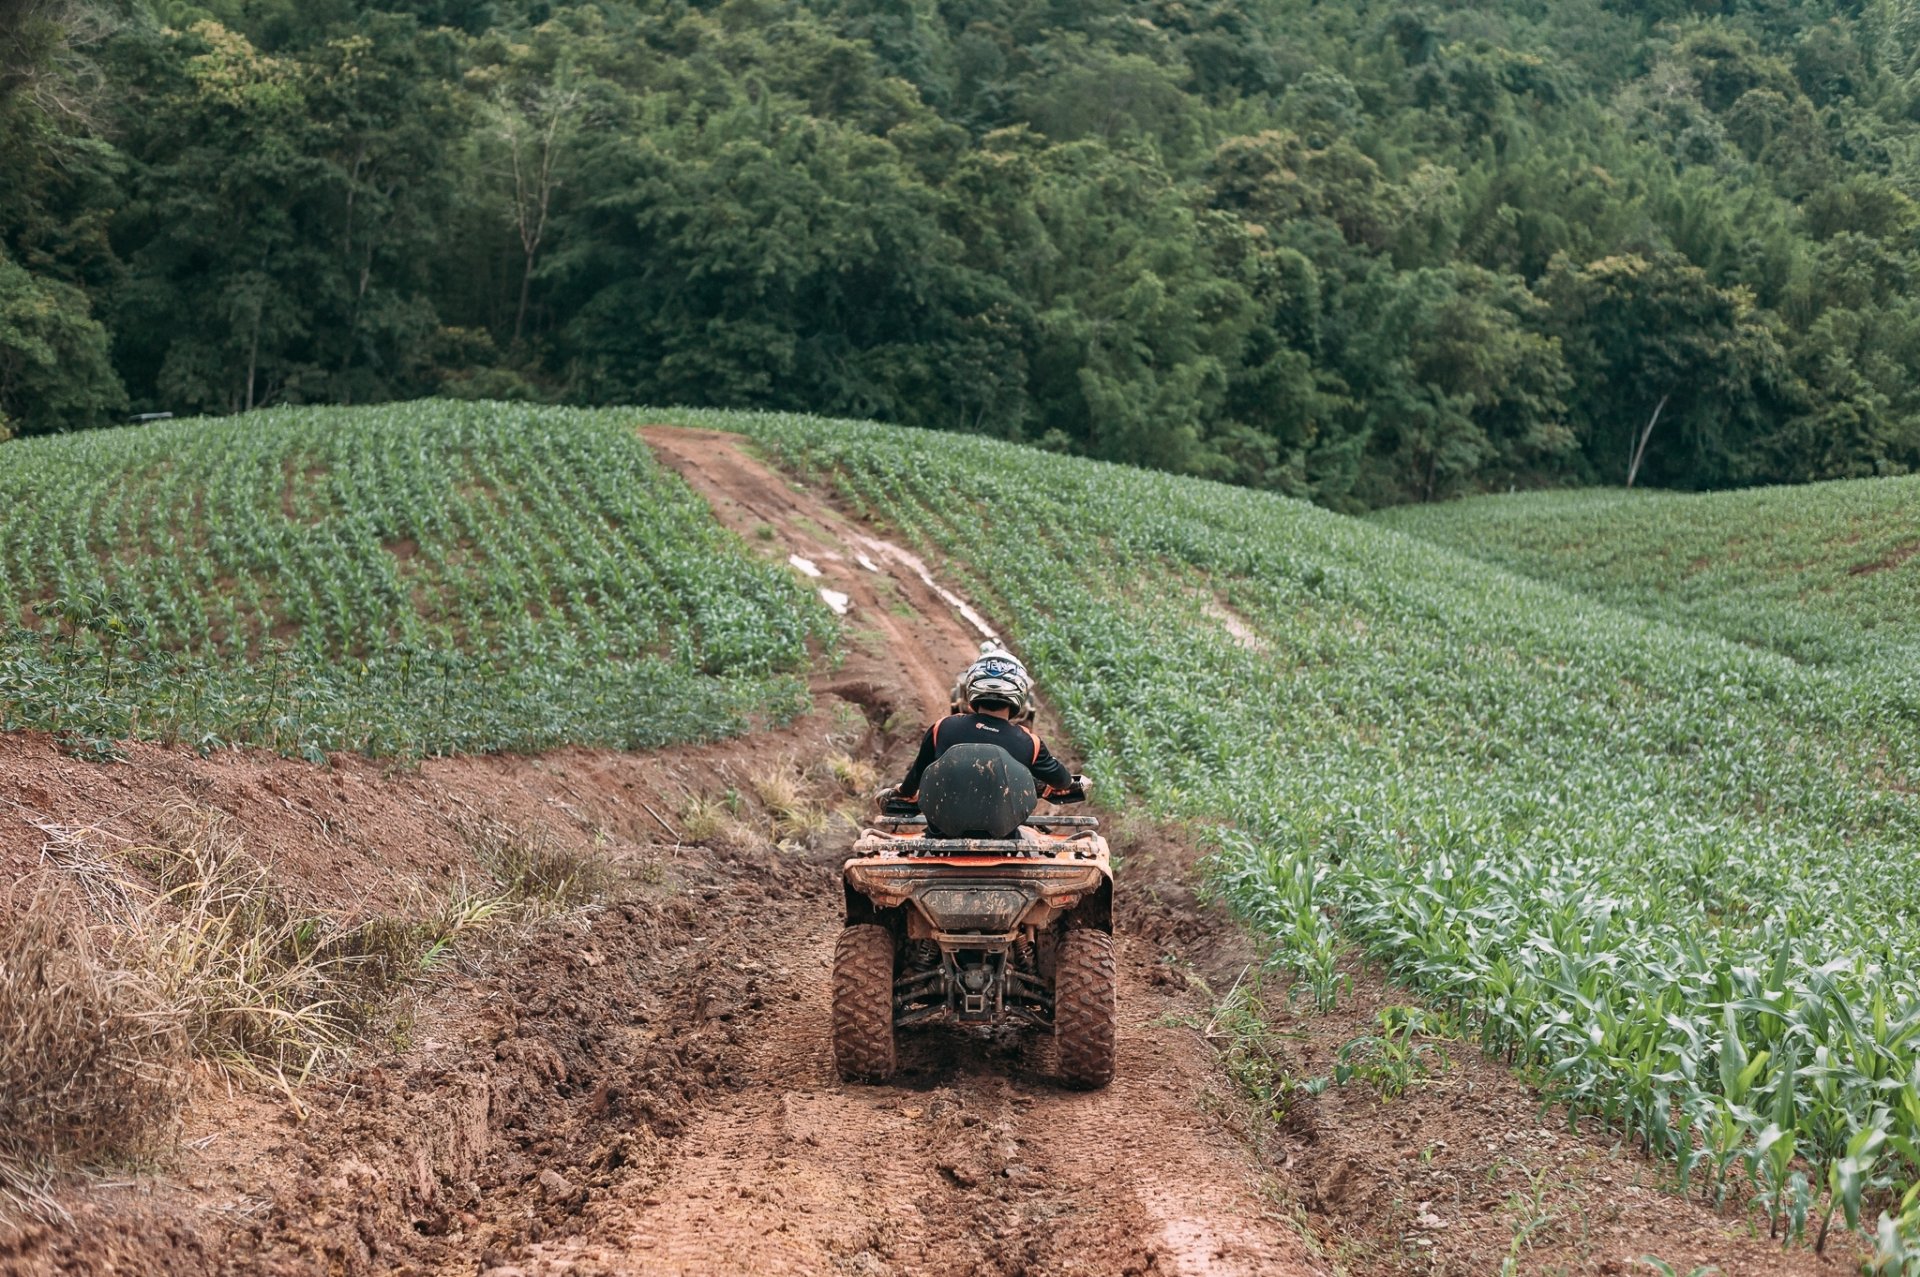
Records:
x=863, y=1004
x=1083, y=1007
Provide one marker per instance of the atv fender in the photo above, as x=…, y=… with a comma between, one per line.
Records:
x=862, y=910
x=1095, y=910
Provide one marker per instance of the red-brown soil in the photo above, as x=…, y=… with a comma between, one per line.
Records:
x=643, y=1085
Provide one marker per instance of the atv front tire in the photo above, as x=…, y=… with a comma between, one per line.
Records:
x=863, y=1004
x=1083, y=1007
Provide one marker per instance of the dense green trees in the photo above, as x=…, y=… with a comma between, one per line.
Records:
x=280, y=218
x=1651, y=339
x=1359, y=252
x=54, y=369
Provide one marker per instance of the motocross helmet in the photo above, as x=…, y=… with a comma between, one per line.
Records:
x=997, y=678
x=991, y=647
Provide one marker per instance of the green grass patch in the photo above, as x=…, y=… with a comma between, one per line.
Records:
x=402, y=580
x=1827, y=573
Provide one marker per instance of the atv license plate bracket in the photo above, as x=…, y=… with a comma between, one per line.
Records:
x=988, y=910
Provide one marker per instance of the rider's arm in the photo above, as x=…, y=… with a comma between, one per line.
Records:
x=1047, y=769
x=910, y=787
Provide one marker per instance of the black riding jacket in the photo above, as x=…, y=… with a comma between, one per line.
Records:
x=986, y=729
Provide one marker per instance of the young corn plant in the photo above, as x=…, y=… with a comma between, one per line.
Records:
x=1396, y=1058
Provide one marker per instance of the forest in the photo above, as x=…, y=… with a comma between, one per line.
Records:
x=1363, y=252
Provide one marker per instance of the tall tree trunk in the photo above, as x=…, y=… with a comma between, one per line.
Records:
x=520, y=313
x=1640, y=449
x=253, y=356
x=359, y=301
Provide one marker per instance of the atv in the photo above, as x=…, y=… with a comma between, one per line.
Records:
x=977, y=929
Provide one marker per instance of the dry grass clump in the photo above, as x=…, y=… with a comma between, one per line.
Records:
x=91, y=1053
x=711, y=822
x=781, y=793
x=535, y=870
x=260, y=987
x=194, y=951
x=855, y=776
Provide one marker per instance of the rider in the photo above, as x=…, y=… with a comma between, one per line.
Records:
x=995, y=692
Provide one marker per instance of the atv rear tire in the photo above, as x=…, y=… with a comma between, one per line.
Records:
x=1083, y=1004
x=863, y=1004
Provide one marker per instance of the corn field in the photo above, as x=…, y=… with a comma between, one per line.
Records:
x=409, y=579
x=1669, y=877
x=1826, y=573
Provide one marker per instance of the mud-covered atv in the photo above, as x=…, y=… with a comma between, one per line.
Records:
x=977, y=929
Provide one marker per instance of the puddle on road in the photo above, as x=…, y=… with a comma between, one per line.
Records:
x=887, y=552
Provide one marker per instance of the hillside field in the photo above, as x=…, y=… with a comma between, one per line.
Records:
x=1664, y=874
x=1824, y=573
x=405, y=580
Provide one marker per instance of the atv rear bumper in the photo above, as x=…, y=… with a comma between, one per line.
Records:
x=973, y=893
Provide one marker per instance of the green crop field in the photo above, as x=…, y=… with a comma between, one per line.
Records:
x=417, y=578
x=1826, y=573
x=1667, y=875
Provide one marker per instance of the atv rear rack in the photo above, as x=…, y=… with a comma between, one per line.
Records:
x=873, y=844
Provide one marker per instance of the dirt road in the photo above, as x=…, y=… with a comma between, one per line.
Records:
x=973, y=1160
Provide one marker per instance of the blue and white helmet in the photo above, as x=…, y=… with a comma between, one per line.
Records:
x=996, y=677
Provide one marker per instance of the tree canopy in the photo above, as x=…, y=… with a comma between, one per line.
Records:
x=1363, y=252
